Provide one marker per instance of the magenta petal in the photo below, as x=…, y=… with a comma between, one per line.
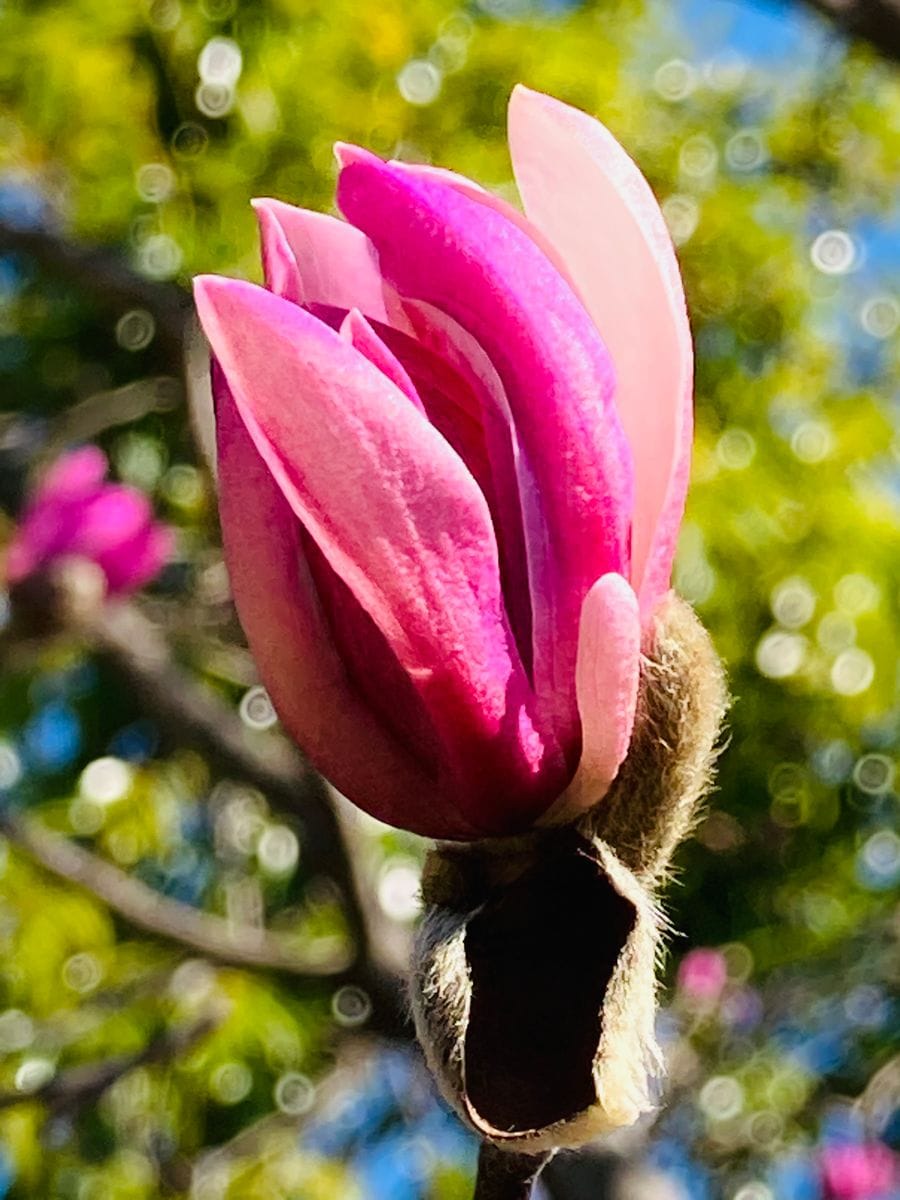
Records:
x=468, y=187
x=51, y=516
x=105, y=528
x=77, y=518
x=133, y=564
x=438, y=245
x=75, y=513
x=292, y=646
x=607, y=676
x=587, y=196
x=399, y=518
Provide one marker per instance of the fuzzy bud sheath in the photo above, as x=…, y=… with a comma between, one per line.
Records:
x=534, y=975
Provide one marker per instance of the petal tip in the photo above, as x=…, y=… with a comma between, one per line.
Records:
x=348, y=155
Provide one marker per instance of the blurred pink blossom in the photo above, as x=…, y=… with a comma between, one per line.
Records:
x=454, y=444
x=74, y=513
x=858, y=1171
x=702, y=974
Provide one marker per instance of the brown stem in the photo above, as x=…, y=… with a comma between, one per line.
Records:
x=505, y=1175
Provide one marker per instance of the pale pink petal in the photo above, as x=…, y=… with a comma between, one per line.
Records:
x=280, y=268
x=312, y=258
x=357, y=331
x=464, y=257
x=581, y=189
x=607, y=675
x=293, y=649
x=400, y=519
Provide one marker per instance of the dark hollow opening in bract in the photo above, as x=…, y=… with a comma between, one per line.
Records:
x=541, y=956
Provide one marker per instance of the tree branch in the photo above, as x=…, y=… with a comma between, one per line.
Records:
x=146, y=909
x=107, y=277
x=196, y=716
x=874, y=21
x=85, y=1083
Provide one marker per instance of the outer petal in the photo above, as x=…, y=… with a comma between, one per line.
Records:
x=292, y=646
x=312, y=258
x=581, y=189
x=465, y=257
x=607, y=676
x=399, y=518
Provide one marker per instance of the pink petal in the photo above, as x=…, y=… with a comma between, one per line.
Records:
x=75, y=473
x=467, y=259
x=492, y=456
x=400, y=520
x=372, y=669
x=464, y=399
x=74, y=512
x=609, y=647
x=586, y=195
x=293, y=649
x=312, y=258
x=111, y=520
x=89, y=523
x=135, y=563
x=47, y=522
x=357, y=331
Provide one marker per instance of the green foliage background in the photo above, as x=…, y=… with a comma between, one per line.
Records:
x=790, y=553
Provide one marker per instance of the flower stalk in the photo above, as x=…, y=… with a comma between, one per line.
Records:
x=506, y=1176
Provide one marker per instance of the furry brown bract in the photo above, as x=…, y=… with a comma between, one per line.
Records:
x=534, y=979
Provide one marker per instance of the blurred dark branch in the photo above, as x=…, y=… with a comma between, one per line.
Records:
x=83, y=1084
x=197, y=716
x=150, y=911
x=108, y=278
x=875, y=21
x=86, y=420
